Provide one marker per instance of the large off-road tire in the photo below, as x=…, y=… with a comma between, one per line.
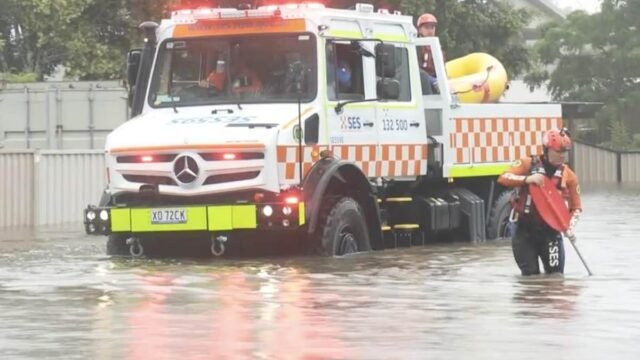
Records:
x=499, y=226
x=117, y=245
x=345, y=230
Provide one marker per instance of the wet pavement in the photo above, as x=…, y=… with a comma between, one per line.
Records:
x=61, y=297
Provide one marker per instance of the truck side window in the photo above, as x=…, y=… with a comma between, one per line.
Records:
x=402, y=74
x=344, y=73
x=427, y=71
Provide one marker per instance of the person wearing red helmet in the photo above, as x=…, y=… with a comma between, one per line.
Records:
x=533, y=238
x=426, y=25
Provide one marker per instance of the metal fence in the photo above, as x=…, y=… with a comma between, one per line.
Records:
x=60, y=115
x=53, y=186
x=595, y=164
x=16, y=188
x=49, y=187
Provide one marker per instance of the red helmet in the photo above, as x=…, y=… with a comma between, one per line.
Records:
x=556, y=139
x=427, y=18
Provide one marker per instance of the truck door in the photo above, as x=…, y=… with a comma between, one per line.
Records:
x=352, y=130
x=429, y=68
x=402, y=132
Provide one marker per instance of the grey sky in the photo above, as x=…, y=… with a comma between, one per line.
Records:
x=588, y=5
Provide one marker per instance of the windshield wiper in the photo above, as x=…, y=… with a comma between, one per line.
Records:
x=253, y=125
x=215, y=111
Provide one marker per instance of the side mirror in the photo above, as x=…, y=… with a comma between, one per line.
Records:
x=311, y=129
x=385, y=60
x=133, y=65
x=388, y=89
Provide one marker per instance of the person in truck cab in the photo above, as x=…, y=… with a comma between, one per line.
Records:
x=533, y=238
x=341, y=76
x=427, y=24
x=239, y=79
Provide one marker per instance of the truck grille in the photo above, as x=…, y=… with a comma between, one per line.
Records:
x=219, y=179
x=149, y=179
x=219, y=156
x=154, y=158
x=186, y=168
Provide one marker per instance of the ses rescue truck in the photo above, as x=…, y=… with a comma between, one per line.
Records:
x=309, y=126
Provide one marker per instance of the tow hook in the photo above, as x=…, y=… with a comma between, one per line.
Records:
x=135, y=247
x=217, y=244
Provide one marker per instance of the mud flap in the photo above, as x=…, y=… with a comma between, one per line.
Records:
x=473, y=207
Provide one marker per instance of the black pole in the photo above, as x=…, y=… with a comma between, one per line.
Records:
x=144, y=72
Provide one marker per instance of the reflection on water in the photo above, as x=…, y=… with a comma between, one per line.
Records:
x=546, y=297
x=60, y=297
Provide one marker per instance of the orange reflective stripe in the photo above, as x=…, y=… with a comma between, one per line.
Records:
x=488, y=140
x=373, y=160
x=239, y=26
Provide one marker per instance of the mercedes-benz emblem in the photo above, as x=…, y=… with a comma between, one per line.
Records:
x=186, y=169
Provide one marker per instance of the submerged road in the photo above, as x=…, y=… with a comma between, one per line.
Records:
x=62, y=298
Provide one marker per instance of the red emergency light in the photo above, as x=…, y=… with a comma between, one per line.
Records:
x=291, y=200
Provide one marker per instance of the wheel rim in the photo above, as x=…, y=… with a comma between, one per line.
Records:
x=348, y=243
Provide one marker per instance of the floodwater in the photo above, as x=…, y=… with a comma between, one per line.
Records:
x=62, y=298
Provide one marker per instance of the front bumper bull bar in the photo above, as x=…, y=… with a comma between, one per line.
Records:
x=209, y=218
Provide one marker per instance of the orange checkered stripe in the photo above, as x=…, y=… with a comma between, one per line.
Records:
x=391, y=160
x=487, y=140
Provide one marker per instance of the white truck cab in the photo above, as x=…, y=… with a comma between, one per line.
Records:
x=305, y=121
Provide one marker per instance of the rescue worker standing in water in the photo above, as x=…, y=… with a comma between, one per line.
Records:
x=533, y=238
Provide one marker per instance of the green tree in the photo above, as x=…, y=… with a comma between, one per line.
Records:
x=596, y=58
x=106, y=30
x=7, y=52
x=467, y=26
x=90, y=37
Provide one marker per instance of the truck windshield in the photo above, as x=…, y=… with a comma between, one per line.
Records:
x=239, y=69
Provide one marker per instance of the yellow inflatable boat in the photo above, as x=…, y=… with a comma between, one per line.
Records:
x=476, y=78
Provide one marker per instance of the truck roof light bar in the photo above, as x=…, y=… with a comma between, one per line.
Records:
x=191, y=16
x=304, y=5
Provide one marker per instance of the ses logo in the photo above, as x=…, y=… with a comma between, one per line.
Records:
x=350, y=123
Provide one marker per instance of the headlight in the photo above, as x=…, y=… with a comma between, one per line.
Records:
x=91, y=215
x=286, y=210
x=104, y=215
x=267, y=211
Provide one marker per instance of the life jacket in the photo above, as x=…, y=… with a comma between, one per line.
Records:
x=522, y=202
x=426, y=61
